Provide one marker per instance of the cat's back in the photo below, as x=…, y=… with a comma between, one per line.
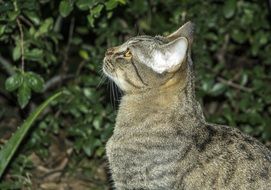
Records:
x=157, y=151
x=228, y=159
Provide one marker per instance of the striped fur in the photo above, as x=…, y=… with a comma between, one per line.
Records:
x=161, y=140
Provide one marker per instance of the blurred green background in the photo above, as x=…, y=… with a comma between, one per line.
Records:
x=47, y=45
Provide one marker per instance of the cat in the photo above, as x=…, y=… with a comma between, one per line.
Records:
x=161, y=140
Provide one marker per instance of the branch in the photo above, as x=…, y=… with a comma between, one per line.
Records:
x=55, y=80
x=25, y=20
x=234, y=85
x=64, y=67
x=21, y=41
x=6, y=65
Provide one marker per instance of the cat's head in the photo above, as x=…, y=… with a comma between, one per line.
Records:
x=145, y=62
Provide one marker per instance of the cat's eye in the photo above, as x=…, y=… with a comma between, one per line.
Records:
x=128, y=53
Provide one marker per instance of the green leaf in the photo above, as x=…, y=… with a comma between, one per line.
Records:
x=122, y=1
x=9, y=149
x=111, y=4
x=65, y=8
x=90, y=20
x=244, y=79
x=84, y=54
x=229, y=8
x=34, y=54
x=33, y=17
x=2, y=29
x=34, y=81
x=24, y=95
x=238, y=36
x=16, y=53
x=14, y=82
x=97, y=122
x=84, y=4
x=94, y=13
x=218, y=89
x=46, y=26
x=13, y=15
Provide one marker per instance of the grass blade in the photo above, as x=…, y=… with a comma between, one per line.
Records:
x=9, y=149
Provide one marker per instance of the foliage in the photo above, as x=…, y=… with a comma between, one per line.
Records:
x=8, y=151
x=46, y=45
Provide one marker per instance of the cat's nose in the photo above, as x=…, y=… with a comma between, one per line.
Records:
x=110, y=52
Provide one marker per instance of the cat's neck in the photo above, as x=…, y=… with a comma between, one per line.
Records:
x=173, y=98
x=156, y=99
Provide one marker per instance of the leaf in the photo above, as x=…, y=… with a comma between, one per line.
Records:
x=84, y=54
x=9, y=149
x=65, y=8
x=90, y=20
x=111, y=4
x=14, y=82
x=94, y=13
x=238, y=36
x=90, y=144
x=34, y=81
x=244, y=79
x=46, y=26
x=84, y=4
x=13, y=15
x=218, y=89
x=33, y=17
x=24, y=95
x=16, y=53
x=229, y=8
x=34, y=54
x=122, y=1
x=97, y=122
x=2, y=29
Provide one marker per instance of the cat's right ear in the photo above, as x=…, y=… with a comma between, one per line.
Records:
x=170, y=56
x=186, y=30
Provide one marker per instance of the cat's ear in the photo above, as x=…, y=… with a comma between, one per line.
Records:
x=170, y=56
x=186, y=30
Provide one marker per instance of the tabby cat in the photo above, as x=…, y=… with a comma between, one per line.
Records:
x=161, y=140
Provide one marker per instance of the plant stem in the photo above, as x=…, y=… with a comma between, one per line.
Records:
x=234, y=85
x=21, y=42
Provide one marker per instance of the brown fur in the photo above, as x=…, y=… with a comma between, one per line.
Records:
x=161, y=140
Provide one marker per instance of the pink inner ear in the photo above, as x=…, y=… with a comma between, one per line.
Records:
x=170, y=55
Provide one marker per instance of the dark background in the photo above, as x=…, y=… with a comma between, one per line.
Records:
x=63, y=47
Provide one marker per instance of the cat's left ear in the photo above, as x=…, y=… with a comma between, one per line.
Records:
x=170, y=56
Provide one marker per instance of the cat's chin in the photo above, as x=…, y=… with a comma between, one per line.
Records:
x=108, y=74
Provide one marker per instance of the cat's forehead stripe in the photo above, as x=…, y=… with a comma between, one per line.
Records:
x=141, y=38
x=156, y=39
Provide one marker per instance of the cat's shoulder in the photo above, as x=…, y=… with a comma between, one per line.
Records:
x=227, y=136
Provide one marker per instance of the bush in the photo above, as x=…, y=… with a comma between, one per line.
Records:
x=47, y=45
